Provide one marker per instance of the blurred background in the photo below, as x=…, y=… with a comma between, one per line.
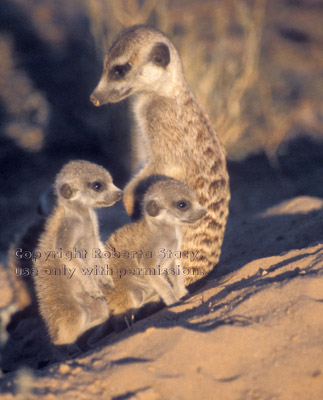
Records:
x=255, y=65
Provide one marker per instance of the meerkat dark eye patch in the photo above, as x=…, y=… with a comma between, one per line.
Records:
x=66, y=191
x=119, y=71
x=182, y=205
x=160, y=54
x=97, y=186
x=152, y=208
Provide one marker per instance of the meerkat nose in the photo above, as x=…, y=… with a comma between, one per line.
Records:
x=95, y=101
x=119, y=194
x=202, y=212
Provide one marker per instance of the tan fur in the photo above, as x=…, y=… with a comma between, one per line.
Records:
x=175, y=132
x=138, y=279
x=70, y=306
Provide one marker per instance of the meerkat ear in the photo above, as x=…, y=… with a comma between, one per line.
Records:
x=66, y=191
x=152, y=208
x=160, y=54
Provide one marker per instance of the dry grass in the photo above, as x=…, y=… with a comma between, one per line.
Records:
x=232, y=58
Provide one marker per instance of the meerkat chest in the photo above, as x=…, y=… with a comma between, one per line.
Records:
x=170, y=245
x=88, y=237
x=174, y=134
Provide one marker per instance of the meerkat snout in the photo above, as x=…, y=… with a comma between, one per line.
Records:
x=196, y=215
x=113, y=194
x=117, y=195
x=94, y=100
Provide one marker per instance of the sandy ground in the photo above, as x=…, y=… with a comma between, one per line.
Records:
x=253, y=332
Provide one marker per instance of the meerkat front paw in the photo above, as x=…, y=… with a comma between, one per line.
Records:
x=101, y=297
x=94, y=292
x=106, y=283
x=171, y=299
x=182, y=293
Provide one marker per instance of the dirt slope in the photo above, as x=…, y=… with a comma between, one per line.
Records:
x=252, y=333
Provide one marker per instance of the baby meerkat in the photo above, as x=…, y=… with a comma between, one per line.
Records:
x=168, y=204
x=175, y=136
x=70, y=297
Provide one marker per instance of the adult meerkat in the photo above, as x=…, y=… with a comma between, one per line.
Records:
x=71, y=302
x=149, y=273
x=174, y=130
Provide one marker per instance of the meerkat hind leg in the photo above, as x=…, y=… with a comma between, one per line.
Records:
x=164, y=289
x=70, y=326
x=178, y=285
x=177, y=281
x=77, y=318
x=97, y=312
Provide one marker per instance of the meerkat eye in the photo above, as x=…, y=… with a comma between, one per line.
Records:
x=97, y=186
x=119, y=71
x=182, y=205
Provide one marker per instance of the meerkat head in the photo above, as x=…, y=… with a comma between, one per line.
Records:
x=170, y=202
x=141, y=59
x=86, y=184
